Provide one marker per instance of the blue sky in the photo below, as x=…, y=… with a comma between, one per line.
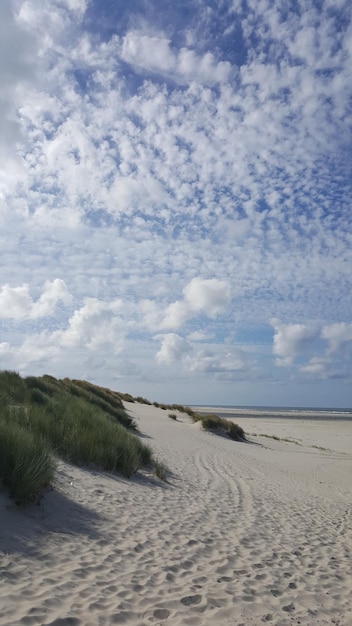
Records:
x=175, y=197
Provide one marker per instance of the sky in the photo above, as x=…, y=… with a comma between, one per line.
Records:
x=176, y=197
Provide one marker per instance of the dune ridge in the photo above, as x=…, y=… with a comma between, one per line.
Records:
x=242, y=533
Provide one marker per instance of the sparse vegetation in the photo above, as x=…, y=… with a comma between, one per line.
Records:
x=160, y=470
x=286, y=439
x=213, y=423
x=221, y=426
x=142, y=400
x=172, y=416
x=126, y=397
x=44, y=418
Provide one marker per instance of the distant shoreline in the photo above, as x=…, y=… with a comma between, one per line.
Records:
x=274, y=413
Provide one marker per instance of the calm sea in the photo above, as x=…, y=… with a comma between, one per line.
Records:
x=321, y=413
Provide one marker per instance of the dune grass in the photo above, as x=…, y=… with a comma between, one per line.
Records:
x=26, y=464
x=221, y=426
x=285, y=439
x=160, y=470
x=214, y=423
x=45, y=418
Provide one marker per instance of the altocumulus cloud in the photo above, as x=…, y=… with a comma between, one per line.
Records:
x=184, y=66
x=183, y=179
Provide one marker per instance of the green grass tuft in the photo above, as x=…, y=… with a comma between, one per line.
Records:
x=26, y=464
x=142, y=400
x=160, y=470
x=221, y=426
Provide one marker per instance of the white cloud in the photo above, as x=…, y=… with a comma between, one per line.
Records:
x=156, y=55
x=77, y=6
x=37, y=348
x=291, y=340
x=211, y=360
x=53, y=292
x=16, y=302
x=173, y=347
x=17, y=50
x=328, y=348
x=95, y=325
x=152, y=53
x=318, y=366
x=205, y=69
x=177, y=314
x=222, y=364
x=128, y=194
x=198, y=335
x=210, y=296
x=338, y=336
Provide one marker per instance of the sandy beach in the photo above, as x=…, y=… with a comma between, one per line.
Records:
x=242, y=533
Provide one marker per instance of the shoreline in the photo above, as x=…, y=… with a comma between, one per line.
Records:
x=266, y=413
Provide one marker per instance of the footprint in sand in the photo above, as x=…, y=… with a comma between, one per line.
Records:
x=191, y=600
x=276, y=592
x=289, y=608
x=161, y=613
x=224, y=579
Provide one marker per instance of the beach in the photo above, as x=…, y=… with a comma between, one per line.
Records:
x=242, y=533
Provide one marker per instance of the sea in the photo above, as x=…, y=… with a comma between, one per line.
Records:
x=299, y=413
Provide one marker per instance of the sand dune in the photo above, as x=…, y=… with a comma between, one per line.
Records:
x=242, y=533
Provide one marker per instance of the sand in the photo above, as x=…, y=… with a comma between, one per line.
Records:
x=242, y=534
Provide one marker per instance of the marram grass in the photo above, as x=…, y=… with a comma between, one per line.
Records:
x=42, y=419
x=26, y=464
